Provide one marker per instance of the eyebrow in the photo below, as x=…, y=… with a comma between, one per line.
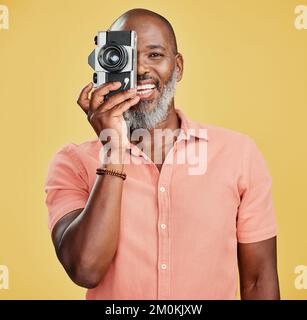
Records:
x=155, y=46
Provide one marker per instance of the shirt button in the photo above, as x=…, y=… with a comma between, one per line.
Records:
x=163, y=266
x=163, y=226
x=162, y=189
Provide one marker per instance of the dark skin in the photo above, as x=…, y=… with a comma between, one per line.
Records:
x=157, y=58
x=258, y=270
x=86, y=239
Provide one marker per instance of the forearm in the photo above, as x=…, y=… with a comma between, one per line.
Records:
x=261, y=289
x=89, y=243
x=257, y=263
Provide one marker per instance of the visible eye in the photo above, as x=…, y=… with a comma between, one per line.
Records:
x=155, y=55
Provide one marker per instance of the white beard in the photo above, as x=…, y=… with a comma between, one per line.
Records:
x=139, y=117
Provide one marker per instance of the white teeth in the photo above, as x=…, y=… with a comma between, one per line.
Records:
x=144, y=91
x=146, y=86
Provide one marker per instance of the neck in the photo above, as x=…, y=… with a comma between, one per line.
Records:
x=171, y=122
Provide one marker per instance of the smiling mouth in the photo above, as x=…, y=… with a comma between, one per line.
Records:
x=145, y=90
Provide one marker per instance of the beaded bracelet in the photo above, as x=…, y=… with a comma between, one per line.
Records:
x=112, y=172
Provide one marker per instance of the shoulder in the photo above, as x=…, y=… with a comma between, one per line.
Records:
x=79, y=149
x=224, y=136
x=239, y=149
x=76, y=154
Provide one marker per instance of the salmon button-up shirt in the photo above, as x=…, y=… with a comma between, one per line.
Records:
x=180, y=227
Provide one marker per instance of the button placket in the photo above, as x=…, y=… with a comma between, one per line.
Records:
x=164, y=268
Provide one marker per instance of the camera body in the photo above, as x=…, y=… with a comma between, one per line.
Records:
x=115, y=59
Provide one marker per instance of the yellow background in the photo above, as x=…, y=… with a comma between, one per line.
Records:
x=245, y=69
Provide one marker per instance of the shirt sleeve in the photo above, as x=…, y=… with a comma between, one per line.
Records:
x=256, y=215
x=65, y=186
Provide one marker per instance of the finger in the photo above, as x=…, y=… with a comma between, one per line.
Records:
x=117, y=99
x=124, y=106
x=98, y=95
x=83, y=100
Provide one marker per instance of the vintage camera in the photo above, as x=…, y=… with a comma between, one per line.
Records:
x=115, y=59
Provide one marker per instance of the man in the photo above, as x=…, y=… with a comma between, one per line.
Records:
x=162, y=233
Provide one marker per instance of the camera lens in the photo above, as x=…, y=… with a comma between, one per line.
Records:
x=113, y=57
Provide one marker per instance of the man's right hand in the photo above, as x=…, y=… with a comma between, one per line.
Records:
x=108, y=114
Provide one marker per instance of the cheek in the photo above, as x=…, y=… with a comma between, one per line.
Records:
x=164, y=71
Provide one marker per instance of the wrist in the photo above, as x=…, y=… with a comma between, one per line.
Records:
x=112, y=156
x=114, y=166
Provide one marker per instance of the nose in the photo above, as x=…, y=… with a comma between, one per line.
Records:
x=142, y=67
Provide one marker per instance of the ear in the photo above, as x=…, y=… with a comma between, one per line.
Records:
x=179, y=66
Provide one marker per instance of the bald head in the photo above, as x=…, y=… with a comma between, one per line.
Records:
x=143, y=16
x=158, y=65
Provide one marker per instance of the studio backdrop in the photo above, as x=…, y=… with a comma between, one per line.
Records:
x=245, y=69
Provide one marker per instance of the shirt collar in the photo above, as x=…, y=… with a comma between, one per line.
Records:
x=189, y=128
